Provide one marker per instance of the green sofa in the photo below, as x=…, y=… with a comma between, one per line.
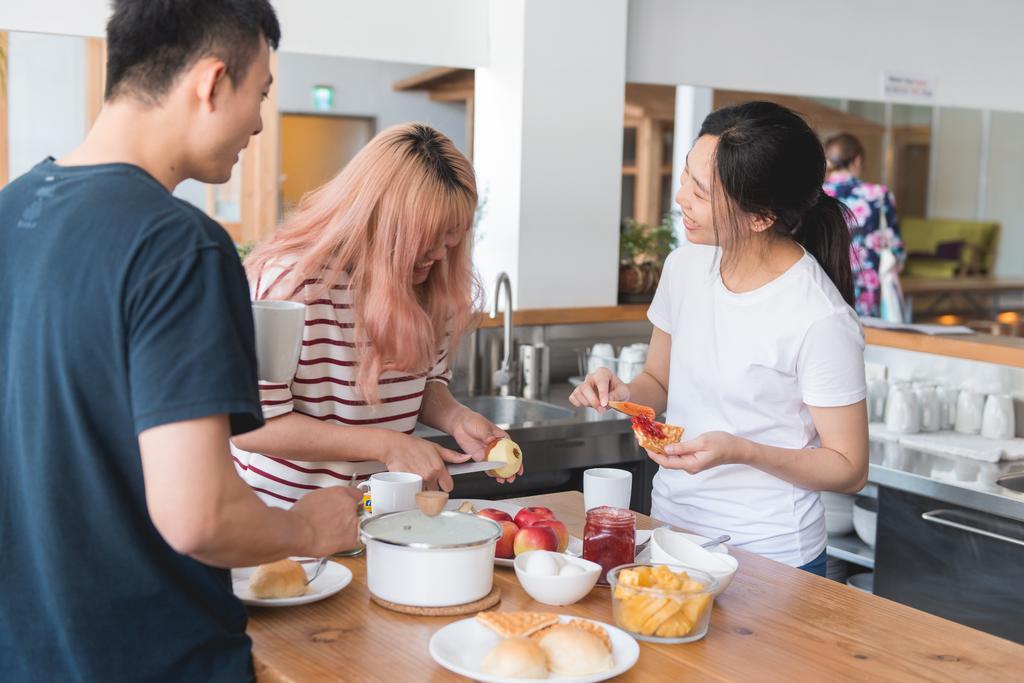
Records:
x=939, y=248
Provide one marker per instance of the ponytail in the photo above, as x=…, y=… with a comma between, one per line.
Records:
x=823, y=230
x=768, y=162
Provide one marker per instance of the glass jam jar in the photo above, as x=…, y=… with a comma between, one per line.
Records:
x=609, y=538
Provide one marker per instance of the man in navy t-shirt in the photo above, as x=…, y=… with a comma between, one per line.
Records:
x=127, y=361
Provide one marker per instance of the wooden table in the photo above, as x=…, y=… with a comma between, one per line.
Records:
x=774, y=623
x=968, y=287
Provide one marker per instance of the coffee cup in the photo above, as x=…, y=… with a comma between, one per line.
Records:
x=607, y=486
x=279, y=327
x=997, y=419
x=392, y=491
x=970, y=406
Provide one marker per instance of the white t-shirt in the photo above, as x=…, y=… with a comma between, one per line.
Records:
x=750, y=364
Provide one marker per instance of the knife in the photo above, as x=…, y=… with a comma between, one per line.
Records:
x=469, y=467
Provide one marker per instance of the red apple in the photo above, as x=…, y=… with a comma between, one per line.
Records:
x=528, y=516
x=495, y=514
x=535, y=538
x=505, y=547
x=561, y=533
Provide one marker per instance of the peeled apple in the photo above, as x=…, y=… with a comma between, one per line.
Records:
x=505, y=450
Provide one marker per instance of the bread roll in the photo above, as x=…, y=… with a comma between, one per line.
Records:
x=572, y=651
x=515, y=658
x=281, y=579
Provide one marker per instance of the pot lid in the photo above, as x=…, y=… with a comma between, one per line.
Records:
x=413, y=529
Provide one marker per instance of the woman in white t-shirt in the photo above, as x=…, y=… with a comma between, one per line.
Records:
x=756, y=350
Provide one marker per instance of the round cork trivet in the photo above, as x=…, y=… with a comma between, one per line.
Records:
x=486, y=602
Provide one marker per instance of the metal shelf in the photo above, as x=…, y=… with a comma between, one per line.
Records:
x=851, y=549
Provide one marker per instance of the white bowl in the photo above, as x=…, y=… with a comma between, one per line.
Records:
x=674, y=547
x=862, y=582
x=838, y=513
x=865, y=518
x=557, y=590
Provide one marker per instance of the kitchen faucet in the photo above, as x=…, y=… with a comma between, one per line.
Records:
x=503, y=375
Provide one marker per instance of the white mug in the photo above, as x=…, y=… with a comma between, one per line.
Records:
x=997, y=420
x=392, y=491
x=901, y=410
x=279, y=328
x=931, y=409
x=969, y=408
x=631, y=362
x=601, y=356
x=878, y=389
x=607, y=486
x=947, y=402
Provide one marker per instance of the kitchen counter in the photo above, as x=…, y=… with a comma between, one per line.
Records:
x=981, y=347
x=773, y=623
x=949, y=478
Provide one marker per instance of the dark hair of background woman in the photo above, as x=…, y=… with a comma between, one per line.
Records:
x=842, y=150
x=768, y=162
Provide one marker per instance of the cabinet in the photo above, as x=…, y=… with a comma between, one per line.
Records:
x=953, y=562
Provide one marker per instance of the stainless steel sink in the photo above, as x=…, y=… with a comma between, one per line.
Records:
x=1014, y=481
x=512, y=411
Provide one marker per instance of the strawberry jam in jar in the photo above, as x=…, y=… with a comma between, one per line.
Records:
x=609, y=538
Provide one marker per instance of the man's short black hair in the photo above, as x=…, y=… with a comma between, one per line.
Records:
x=150, y=42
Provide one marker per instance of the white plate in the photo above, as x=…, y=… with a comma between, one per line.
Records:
x=332, y=579
x=460, y=647
x=575, y=547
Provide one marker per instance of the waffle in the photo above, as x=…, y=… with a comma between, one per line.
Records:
x=510, y=624
x=596, y=629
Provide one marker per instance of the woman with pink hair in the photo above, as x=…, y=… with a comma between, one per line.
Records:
x=381, y=256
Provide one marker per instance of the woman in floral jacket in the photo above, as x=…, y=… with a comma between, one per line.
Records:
x=868, y=203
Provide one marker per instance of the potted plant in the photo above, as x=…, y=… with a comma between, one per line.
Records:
x=643, y=249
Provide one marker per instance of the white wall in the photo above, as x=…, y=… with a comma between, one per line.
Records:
x=46, y=95
x=1005, y=186
x=69, y=17
x=364, y=88
x=450, y=32
x=961, y=152
x=972, y=49
x=956, y=151
x=548, y=149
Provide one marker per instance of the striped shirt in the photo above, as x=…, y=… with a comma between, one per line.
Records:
x=324, y=387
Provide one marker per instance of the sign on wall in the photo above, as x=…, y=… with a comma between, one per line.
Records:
x=907, y=87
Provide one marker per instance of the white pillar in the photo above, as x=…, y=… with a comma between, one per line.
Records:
x=548, y=150
x=693, y=104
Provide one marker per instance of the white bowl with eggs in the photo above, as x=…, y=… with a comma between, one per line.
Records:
x=673, y=547
x=554, y=578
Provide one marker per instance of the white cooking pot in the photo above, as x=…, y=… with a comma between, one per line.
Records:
x=413, y=559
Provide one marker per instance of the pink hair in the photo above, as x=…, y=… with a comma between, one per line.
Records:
x=398, y=197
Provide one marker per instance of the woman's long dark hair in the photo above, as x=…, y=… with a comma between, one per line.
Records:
x=769, y=163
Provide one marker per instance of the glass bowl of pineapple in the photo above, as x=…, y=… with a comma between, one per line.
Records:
x=662, y=603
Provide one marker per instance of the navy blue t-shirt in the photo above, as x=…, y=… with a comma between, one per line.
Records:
x=121, y=308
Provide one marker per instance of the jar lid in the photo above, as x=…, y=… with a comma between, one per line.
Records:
x=413, y=529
